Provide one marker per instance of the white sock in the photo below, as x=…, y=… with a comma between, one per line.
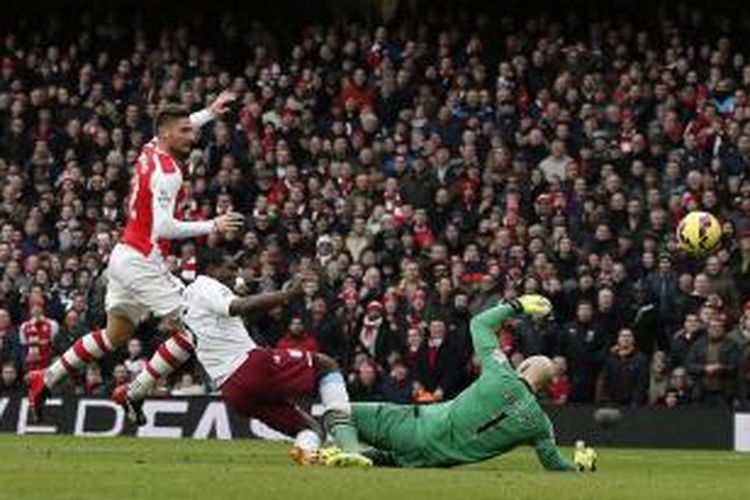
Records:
x=307, y=440
x=333, y=392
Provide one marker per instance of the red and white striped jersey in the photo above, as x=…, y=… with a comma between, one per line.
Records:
x=155, y=189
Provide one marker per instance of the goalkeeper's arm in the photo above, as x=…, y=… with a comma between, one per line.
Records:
x=483, y=327
x=550, y=456
x=484, y=324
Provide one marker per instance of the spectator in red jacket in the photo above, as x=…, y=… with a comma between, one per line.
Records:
x=356, y=94
x=559, y=390
x=297, y=337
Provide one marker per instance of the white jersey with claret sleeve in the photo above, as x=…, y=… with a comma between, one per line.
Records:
x=222, y=341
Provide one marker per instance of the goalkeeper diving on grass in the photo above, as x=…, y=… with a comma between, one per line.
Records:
x=497, y=413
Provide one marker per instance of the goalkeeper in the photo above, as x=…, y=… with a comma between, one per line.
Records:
x=498, y=412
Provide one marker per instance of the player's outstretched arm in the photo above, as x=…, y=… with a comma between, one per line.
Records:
x=484, y=325
x=551, y=457
x=217, y=108
x=168, y=227
x=252, y=303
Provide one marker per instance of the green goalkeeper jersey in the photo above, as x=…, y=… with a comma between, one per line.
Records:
x=494, y=415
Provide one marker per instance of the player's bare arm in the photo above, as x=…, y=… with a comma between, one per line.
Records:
x=247, y=305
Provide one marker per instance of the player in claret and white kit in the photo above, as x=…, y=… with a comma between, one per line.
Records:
x=260, y=382
x=138, y=281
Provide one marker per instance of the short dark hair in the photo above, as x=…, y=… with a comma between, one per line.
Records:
x=208, y=258
x=168, y=114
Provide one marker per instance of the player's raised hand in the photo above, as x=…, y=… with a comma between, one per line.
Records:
x=220, y=105
x=230, y=221
x=533, y=305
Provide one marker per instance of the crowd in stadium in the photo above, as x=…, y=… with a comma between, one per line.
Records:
x=426, y=170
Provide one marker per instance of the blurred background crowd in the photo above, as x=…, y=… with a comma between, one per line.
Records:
x=426, y=167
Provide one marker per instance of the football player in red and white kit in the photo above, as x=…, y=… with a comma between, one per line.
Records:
x=261, y=382
x=138, y=281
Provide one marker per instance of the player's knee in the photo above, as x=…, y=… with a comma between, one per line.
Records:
x=120, y=328
x=326, y=364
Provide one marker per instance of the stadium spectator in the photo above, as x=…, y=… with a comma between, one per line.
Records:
x=375, y=339
x=10, y=383
x=438, y=363
x=658, y=378
x=398, y=387
x=136, y=361
x=559, y=389
x=188, y=386
x=683, y=340
x=580, y=347
x=9, y=345
x=365, y=385
x=298, y=337
x=625, y=375
x=94, y=382
x=713, y=362
x=679, y=392
x=120, y=375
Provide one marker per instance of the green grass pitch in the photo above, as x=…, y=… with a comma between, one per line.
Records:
x=54, y=467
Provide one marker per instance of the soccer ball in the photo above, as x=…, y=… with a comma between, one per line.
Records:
x=699, y=233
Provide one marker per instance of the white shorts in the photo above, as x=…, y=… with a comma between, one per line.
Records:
x=138, y=286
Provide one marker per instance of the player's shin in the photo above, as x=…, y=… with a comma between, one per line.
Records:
x=167, y=358
x=85, y=350
x=337, y=417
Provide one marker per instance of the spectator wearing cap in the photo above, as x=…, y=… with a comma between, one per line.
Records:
x=712, y=363
x=374, y=338
x=298, y=337
x=438, y=363
x=625, y=374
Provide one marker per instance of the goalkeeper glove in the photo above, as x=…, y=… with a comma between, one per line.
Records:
x=532, y=304
x=584, y=458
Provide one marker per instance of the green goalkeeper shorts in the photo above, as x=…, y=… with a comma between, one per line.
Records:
x=392, y=428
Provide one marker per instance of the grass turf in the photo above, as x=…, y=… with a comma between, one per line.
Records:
x=60, y=467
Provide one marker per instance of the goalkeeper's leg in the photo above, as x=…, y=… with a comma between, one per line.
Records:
x=389, y=433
